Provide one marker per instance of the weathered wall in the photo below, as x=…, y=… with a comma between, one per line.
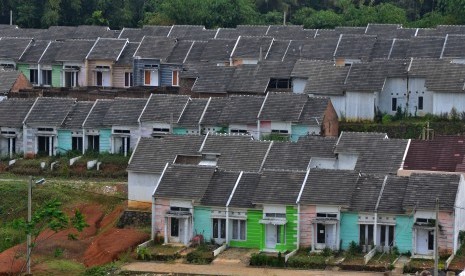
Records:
x=307, y=214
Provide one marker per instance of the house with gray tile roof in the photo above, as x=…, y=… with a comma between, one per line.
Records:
x=123, y=66
x=296, y=115
x=101, y=60
x=11, y=51
x=41, y=124
x=250, y=49
x=189, y=120
x=12, y=114
x=70, y=133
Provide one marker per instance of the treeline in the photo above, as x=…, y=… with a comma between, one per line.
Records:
x=229, y=13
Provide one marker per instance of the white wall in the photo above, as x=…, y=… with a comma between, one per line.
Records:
x=443, y=102
x=339, y=104
x=323, y=163
x=360, y=105
x=346, y=161
x=459, y=212
x=298, y=85
x=282, y=126
x=141, y=186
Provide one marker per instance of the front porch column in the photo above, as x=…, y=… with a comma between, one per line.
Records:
x=313, y=236
x=334, y=237
x=375, y=231
x=152, y=236
x=10, y=141
x=50, y=146
x=186, y=230
x=166, y=231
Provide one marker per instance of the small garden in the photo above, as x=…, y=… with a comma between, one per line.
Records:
x=418, y=265
x=268, y=259
x=304, y=259
x=458, y=263
x=159, y=252
x=354, y=259
x=202, y=254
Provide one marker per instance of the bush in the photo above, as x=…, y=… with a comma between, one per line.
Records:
x=354, y=249
x=261, y=259
x=326, y=252
x=201, y=255
x=307, y=262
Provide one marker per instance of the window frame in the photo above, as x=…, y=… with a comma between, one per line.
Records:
x=173, y=83
x=34, y=76
x=240, y=223
x=394, y=104
x=421, y=103
x=128, y=79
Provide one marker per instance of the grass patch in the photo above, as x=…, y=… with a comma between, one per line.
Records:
x=423, y=264
x=203, y=254
x=159, y=252
x=62, y=267
x=305, y=260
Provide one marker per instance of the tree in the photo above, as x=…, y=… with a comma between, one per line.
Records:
x=97, y=19
x=51, y=15
x=323, y=19
x=389, y=13
x=299, y=17
x=50, y=216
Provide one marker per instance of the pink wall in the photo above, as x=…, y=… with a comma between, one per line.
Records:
x=161, y=206
x=446, y=232
x=307, y=214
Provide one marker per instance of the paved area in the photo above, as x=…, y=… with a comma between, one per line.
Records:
x=222, y=269
x=399, y=265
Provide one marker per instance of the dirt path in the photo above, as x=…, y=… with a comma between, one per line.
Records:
x=221, y=269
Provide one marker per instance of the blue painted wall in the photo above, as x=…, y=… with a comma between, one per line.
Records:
x=105, y=135
x=179, y=131
x=203, y=222
x=298, y=131
x=403, y=233
x=64, y=141
x=349, y=229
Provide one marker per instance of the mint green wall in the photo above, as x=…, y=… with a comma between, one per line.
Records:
x=290, y=239
x=254, y=238
x=179, y=131
x=24, y=68
x=203, y=222
x=105, y=135
x=298, y=131
x=56, y=75
x=403, y=233
x=349, y=229
x=64, y=141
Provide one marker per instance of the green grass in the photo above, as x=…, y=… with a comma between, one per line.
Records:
x=62, y=267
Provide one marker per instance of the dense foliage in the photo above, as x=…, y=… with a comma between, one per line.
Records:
x=229, y=13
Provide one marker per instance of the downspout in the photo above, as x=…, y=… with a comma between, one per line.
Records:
x=152, y=233
x=227, y=224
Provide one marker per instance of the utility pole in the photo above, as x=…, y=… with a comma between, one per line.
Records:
x=29, y=215
x=436, y=232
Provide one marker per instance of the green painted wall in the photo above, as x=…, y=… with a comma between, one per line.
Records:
x=403, y=233
x=298, y=131
x=56, y=75
x=24, y=68
x=179, y=131
x=64, y=141
x=349, y=229
x=289, y=236
x=255, y=238
x=203, y=222
x=105, y=135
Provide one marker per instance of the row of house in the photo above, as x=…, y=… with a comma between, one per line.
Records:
x=279, y=196
x=380, y=67
x=56, y=125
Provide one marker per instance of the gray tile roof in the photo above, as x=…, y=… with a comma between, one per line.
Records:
x=77, y=115
x=283, y=107
x=155, y=47
x=441, y=75
x=355, y=47
x=236, y=109
x=237, y=153
x=249, y=47
x=314, y=111
x=59, y=32
x=381, y=48
x=213, y=79
x=297, y=155
x=329, y=187
x=127, y=54
x=193, y=112
x=366, y=193
x=107, y=49
x=219, y=189
x=423, y=189
x=74, y=50
x=52, y=50
x=35, y=51
x=97, y=113
x=199, y=35
x=455, y=47
x=92, y=32
x=217, y=50
x=7, y=80
x=184, y=182
x=13, y=111
x=393, y=195
x=49, y=111
x=164, y=108
x=350, y=30
x=382, y=28
x=252, y=30
x=425, y=47
x=277, y=50
x=400, y=49
x=196, y=51
x=13, y=48
x=180, y=51
x=124, y=112
x=286, y=184
x=181, y=31
x=151, y=154
x=136, y=35
x=243, y=195
x=375, y=153
x=287, y=32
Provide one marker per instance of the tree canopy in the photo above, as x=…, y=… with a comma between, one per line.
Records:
x=229, y=13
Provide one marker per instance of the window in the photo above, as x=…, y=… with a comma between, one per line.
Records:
x=394, y=104
x=93, y=143
x=45, y=129
x=46, y=77
x=34, y=76
x=161, y=129
x=240, y=131
x=275, y=215
x=175, y=79
x=219, y=228
x=366, y=234
x=128, y=79
x=7, y=66
x=326, y=215
x=122, y=131
x=238, y=229
x=387, y=235
x=99, y=78
x=279, y=131
x=279, y=83
x=431, y=240
x=320, y=233
x=179, y=209
x=420, y=103
x=76, y=143
x=71, y=79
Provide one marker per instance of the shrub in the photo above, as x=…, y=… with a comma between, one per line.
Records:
x=143, y=253
x=326, y=252
x=307, y=262
x=261, y=259
x=201, y=255
x=353, y=249
x=386, y=119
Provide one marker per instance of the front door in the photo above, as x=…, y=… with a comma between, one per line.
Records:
x=425, y=241
x=320, y=236
x=330, y=239
x=271, y=236
x=44, y=145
